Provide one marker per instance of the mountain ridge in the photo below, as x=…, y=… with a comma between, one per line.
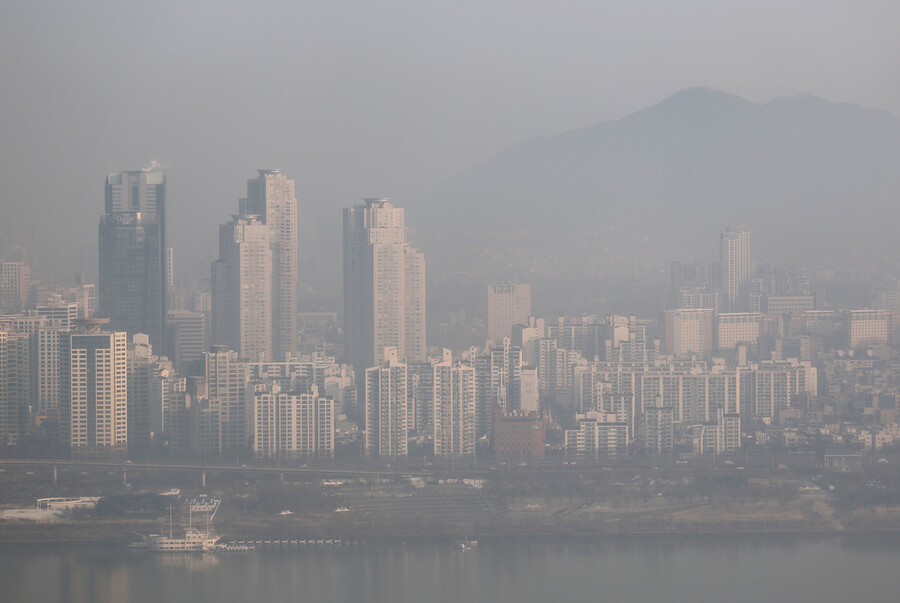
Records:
x=803, y=171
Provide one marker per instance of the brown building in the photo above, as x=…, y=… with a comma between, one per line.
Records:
x=518, y=435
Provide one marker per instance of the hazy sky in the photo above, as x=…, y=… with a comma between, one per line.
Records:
x=357, y=99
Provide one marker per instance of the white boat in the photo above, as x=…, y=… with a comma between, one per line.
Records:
x=191, y=541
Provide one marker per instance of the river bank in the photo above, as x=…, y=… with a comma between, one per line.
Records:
x=119, y=533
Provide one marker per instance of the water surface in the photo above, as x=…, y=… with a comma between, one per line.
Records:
x=677, y=568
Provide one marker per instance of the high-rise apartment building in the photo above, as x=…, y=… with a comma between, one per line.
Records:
x=62, y=312
x=587, y=334
x=192, y=422
x=414, y=319
x=15, y=285
x=688, y=331
x=286, y=424
x=598, y=434
x=728, y=431
x=186, y=339
x=271, y=197
x=867, y=328
x=42, y=336
x=387, y=423
x=85, y=295
x=658, y=429
x=140, y=368
x=735, y=328
x=94, y=390
x=454, y=409
x=170, y=269
x=420, y=391
x=242, y=289
x=151, y=383
x=769, y=391
x=529, y=390
x=227, y=377
x=15, y=385
x=384, y=286
x=508, y=305
x=734, y=254
x=497, y=383
x=789, y=303
x=50, y=339
x=555, y=367
x=132, y=287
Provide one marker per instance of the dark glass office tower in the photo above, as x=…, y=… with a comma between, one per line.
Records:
x=132, y=292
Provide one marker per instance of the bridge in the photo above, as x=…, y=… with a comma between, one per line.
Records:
x=125, y=466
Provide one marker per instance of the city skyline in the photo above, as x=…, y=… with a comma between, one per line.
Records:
x=735, y=344
x=316, y=257
x=456, y=301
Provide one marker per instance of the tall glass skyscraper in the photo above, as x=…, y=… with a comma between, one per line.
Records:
x=132, y=291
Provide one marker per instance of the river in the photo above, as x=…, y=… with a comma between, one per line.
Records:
x=647, y=568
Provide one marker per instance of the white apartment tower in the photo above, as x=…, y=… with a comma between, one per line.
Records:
x=94, y=404
x=454, y=409
x=734, y=253
x=227, y=377
x=271, y=198
x=688, y=331
x=508, y=305
x=285, y=424
x=386, y=407
x=242, y=288
x=59, y=312
x=384, y=286
x=50, y=340
x=867, y=328
x=414, y=315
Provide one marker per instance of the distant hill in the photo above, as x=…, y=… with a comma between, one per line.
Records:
x=812, y=178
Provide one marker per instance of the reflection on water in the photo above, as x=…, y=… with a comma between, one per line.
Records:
x=746, y=568
x=189, y=562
